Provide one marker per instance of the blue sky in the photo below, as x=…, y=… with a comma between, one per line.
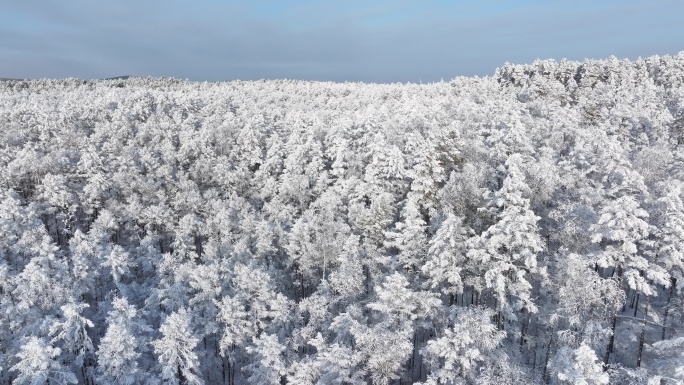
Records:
x=352, y=40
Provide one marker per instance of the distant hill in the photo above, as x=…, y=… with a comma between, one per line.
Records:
x=119, y=77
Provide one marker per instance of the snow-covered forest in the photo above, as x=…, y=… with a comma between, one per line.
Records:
x=523, y=228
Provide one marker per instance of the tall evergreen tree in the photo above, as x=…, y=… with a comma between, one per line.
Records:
x=178, y=362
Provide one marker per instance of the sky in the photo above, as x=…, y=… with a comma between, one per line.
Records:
x=344, y=40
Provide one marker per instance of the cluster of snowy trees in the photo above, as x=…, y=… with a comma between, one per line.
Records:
x=524, y=228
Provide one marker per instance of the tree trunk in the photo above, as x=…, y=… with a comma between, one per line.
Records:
x=636, y=307
x=523, y=329
x=643, y=331
x=546, y=361
x=673, y=282
x=611, y=342
x=59, y=242
x=325, y=262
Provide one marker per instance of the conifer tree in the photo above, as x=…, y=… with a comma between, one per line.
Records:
x=178, y=361
x=447, y=256
x=508, y=250
x=39, y=363
x=120, y=349
x=455, y=355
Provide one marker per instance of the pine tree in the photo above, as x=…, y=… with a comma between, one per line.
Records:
x=446, y=256
x=456, y=354
x=410, y=237
x=117, y=356
x=584, y=301
x=427, y=173
x=580, y=366
x=508, y=249
x=39, y=363
x=383, y=351
x=71, y=333
x=118, y=260
x=268, y=366
x=238, y=326
x=386, y=168
x=338, y=364
x=317, y=238
x=671, y=256
x=178, y=361
x=622, y=227
x=399, y=304
x=119, y=350
x=348, y=278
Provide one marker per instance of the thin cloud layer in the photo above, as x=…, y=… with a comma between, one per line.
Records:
x=382, y=41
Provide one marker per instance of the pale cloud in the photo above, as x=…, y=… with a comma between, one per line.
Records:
x=382, y=41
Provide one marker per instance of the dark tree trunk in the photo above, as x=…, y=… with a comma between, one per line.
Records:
x=611, y=342
x=673, y=283
x=643, y=331
x=546, y=361
x=523, y=329
x=636, y=306
x=181, y=377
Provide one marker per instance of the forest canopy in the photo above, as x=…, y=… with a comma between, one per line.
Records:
x=523, y=228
